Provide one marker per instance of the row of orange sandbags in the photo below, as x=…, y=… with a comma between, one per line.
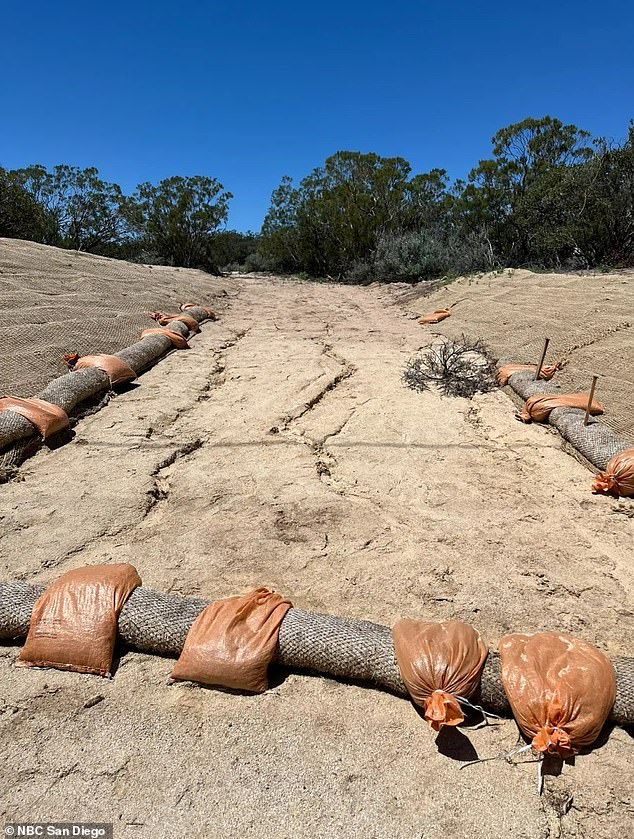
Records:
x=561, y=689
x=49, y=419
x=617, y=478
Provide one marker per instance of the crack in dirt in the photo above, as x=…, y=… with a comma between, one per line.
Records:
x=159, y=493
x=298, y=413
x=325, y=462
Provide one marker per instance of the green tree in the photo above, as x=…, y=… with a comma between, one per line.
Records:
x=21, y=216
x=524, y=155
x=338, y=212
x=88, y=213
x=583, y=214
x=429, y=200
x=231, y=248
x=279, y=238
x=178, y=217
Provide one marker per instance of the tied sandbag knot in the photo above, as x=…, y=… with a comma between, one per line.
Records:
x=561, y=689
x=164, y=320
x=435, y=317
x=547, y=371
x=440, y=664
x=74, y=623
x=441, y=708
x=46, y=418
x=618, y=477
x=233, y=641
x=177, y=340
x=114, y=367
x=553, y=741
x=537, y=408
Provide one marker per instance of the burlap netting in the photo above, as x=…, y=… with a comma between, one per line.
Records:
x=561, y=689
x=343, y=648
x=47, y=419
x=74, y=623
x=439, y=663
x=233, y=641
x=117, y=371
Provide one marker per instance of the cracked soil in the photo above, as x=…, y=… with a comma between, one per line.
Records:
x=283, y=450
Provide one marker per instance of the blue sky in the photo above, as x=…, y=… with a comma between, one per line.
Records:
x=249, y=91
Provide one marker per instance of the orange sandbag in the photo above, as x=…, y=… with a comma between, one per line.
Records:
x=233, y=641
x=74, y=623
x=618, y=477
x=48, y=419
x=537, y=408
x=561, y=689
x=190, y=322
x=547, y=371
x=209, y=312
x=177, y=340
x=438, y=663
x=115, y=368
x=435, y=317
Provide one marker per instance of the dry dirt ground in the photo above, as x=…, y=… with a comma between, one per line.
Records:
x=283, y=450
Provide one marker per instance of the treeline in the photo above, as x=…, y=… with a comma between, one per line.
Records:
x=549, y=197
x=175, y=222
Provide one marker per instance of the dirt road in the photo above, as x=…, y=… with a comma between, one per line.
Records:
x=283, y=450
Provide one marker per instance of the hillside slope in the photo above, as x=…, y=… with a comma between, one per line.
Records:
x=57, y=301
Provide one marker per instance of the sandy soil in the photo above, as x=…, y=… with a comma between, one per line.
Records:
x=284, y=450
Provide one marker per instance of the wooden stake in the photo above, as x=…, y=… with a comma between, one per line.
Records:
x=541, y=360
x=592, y=387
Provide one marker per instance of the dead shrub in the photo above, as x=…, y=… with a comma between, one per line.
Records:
x=457, y=368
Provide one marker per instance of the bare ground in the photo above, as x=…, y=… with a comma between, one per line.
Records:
x=283, y=450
